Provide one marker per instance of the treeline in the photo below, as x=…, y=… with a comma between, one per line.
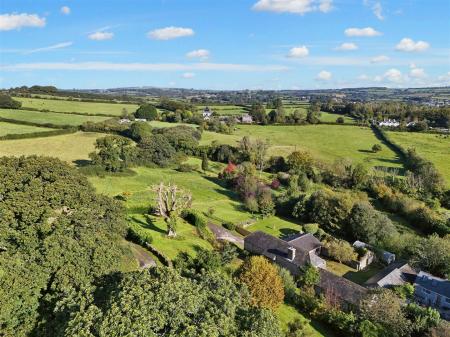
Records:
x=402, y=112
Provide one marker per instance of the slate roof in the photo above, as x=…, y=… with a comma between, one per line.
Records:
x=433, y=283
x=397, y=273
x=273, y=247
x=305, y=242
x=341, y=287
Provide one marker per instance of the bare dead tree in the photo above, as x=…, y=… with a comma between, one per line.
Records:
x=171, y=200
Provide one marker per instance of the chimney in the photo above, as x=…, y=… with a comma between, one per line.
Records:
x=291, y=253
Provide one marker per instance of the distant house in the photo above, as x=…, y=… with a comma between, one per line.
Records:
x=389, y=123
x=246, y=119
x=293, y=254
x=396, y=274
x=434, y=292
x=124, y=121
x=207, y=113
x=140, y=120
x=340, y=291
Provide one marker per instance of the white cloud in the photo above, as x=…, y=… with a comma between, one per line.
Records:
x=52, y=47
x=378, y=11
x=409, y=45
x=326, y=6
x=379, y=59
x=324, y=76
x=101, y=36
x=297, y=52
x=294, y=6
x=65, y=10
x=169, y=33
x=347, y=46
x=368, y=32
x=417, y=72
x=17, y=21
x=188, y=75
x=99, y=66
x=393, y=75
x=202, y=54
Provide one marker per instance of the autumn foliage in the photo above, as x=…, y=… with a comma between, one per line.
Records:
x=264, y=283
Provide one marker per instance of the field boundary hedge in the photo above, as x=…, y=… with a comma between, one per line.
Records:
x=69, y=112
x=381, y=135
x=47, y=125
x=39, y=134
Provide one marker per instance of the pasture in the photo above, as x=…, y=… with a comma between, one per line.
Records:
x=433, y=147
x=48, y=117
x=15, y=129
x=223, y=109
x=70, y=147
x=324, y=142
x=88, y=108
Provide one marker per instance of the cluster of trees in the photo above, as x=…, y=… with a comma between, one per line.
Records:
x=277, y=114
x=6, y=102
x=161, y=147
x=56, y=237
x=403, y=112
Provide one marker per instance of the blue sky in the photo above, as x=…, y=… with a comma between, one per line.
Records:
x=225, y=44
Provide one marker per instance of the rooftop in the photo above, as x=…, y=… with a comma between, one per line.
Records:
x=433, y=283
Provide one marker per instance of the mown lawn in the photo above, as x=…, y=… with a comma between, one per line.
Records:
x=87, y=108
x=70, y=147
x=352, y=274
x=14, y=129
x=324, y=142
x=49, y=117
x=434, y=147
x=275, y=226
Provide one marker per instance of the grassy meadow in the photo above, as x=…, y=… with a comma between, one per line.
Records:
x=59, y=105
x=223, y=109
x=15, y=129
x=433, y=147
x=324, y=142
x=48, y=117
x=70, y=147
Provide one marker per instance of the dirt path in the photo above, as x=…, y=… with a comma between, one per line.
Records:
x=142, y=256
x=224, y=234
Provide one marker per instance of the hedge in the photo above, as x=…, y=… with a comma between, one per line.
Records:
x=47, y=125
x=138, y=235
x=161, y=256
x=39, y=134
x=68, y=112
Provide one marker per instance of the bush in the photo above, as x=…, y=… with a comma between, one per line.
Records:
x=8, y=103
x=139, y=235
x=229, y=225
x=194, y=218
x=376, y=148
x=187, y=167
x=311, y=228
x=340, y=120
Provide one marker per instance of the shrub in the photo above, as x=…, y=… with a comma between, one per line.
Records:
x=187, y=167
x=229, y=225
x=8, y=103
x=194, y=218
x=340, y=120
x=139, y=235
x=376, y=148
x=311, y=228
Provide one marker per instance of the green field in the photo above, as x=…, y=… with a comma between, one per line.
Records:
x=70, y=147
x=331, y=118
x=48, y=117
x=223, y=109
x=275, y=226
x=433, y=147
x=58, y=105
x=324, y=142
x=14, y=129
